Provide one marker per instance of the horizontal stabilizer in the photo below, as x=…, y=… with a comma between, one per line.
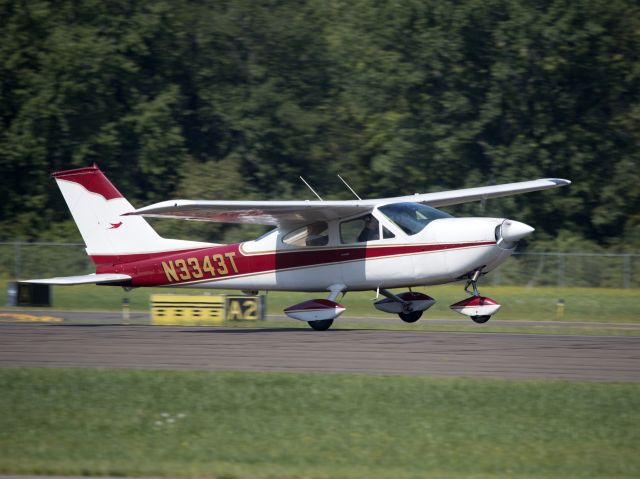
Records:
x=82, y=279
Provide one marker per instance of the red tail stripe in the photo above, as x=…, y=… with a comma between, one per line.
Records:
x=92, y=179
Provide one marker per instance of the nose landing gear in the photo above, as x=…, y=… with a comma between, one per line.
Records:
x=473, y=282
x=478, y=308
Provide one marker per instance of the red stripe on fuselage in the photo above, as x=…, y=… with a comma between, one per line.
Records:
x=228, y=261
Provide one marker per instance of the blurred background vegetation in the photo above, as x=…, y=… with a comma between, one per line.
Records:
x=234, y=99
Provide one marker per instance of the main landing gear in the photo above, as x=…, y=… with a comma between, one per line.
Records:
x=408, y=305
x=478, y=308
x=321, y=325
x=411, y=317
x=318, y=313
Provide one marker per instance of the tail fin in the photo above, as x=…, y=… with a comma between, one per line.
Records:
x=96, y=206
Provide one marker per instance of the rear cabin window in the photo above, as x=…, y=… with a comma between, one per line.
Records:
x=315, y=234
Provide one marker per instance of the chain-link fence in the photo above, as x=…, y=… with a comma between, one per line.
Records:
x=20, y=260
x=569, y=269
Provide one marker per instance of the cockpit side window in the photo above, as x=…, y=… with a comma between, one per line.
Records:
x=412, y=217
x=360, y=230
x=315, y=234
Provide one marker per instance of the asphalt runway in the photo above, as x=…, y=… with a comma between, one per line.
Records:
x=511, y=356
x=138, y=318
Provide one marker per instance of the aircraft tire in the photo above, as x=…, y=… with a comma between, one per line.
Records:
x=411, y=317
x=480, y=319
x=321, y=325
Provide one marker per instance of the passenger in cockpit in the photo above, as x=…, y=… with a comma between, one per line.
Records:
x=371, y=230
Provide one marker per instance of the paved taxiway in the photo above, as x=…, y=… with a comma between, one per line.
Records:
x=522, y=356
x=138, y=317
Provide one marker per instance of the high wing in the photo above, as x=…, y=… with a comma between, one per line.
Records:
x=274, y=213
x=279, y=213
x=100, y=278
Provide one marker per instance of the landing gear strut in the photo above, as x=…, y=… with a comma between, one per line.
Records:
x=473, y=282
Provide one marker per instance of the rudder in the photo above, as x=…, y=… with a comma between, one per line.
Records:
x=97, y=207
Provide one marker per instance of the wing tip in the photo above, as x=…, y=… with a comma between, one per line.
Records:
x=559, y=181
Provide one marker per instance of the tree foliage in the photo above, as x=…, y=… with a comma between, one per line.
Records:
x=237, y=98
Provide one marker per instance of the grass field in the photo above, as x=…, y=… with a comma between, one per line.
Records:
x=519, y=303
x=249, y=425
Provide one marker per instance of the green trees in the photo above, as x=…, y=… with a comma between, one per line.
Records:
x=237, y=98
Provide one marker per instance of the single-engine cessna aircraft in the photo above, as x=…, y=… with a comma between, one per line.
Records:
x=330, y=246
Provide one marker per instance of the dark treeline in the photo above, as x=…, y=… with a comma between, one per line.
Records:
x=234, y=99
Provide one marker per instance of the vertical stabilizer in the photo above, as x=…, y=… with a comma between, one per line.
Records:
x=96, y=206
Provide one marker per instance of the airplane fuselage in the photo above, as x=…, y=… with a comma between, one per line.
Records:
x=444, y=251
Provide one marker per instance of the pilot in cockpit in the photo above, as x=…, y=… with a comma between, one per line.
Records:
x=317, y=234
x=371, y=230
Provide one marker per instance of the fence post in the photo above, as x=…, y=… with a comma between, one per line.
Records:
x=561, y=268
x=126, y=316
x=17, y=261
x=626, y=271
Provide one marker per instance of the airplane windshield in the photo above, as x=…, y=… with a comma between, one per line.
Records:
x=412, y=217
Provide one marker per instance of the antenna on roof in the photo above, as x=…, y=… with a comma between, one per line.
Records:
x=351, y=189
x=312, y=190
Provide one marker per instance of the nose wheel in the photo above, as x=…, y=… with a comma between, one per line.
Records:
x=478, y=308
x=480, y=319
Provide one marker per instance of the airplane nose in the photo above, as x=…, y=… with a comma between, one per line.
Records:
x=512, y=231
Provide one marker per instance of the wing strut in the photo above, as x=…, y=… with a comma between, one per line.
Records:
x=351, y=189
x=312, y=190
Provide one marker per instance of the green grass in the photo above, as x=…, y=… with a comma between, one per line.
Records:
x=519, y=303
x=590, y=305
x=241, y=425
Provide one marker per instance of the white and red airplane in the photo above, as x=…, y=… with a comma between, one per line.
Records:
x=316, y=246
